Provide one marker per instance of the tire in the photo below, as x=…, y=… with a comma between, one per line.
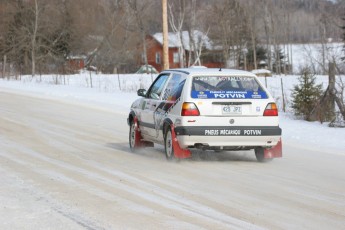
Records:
x=132, y=137
x=260, y=155
x=168, y=145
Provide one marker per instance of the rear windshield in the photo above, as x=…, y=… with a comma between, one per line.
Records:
x=227, y=87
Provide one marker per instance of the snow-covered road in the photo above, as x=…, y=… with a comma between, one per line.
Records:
x=67, y=165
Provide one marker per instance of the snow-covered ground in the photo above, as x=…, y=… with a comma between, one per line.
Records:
x=65, y=164
x=117, y=92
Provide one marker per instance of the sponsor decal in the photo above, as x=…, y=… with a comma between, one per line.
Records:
x=229, y=94
x=201, y=95
x=229, y=131
x=252, y=132
x=224, y=78
x=233, y=132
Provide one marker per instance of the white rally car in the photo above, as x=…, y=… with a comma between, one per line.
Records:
x=209, y=109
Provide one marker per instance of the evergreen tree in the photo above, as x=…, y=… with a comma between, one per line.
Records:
x=306, y=95
x=261, y=55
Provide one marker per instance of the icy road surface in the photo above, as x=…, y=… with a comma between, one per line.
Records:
x=65, y=165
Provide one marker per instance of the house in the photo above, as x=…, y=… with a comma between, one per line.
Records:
x=154, y=46
x=75, y=63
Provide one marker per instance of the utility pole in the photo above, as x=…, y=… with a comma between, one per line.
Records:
x=165, y=35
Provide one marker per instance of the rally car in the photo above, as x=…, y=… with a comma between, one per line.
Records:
x=208, y=109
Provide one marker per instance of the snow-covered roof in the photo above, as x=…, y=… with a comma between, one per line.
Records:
x=174, y=41
x=73, y=57
x=262, y=72
x=256, y=71
x=201, y=70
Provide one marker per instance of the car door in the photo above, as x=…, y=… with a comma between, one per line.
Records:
x=172, y=93
x=151, y=103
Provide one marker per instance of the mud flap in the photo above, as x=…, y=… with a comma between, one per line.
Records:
x=138, y=143
x=274, y=152
x=178, y=151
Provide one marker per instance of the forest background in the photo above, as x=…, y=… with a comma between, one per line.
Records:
x=38, y=36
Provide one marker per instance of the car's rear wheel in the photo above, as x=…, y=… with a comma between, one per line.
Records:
x=168, y=144
x=133, y=135
x=260, y=155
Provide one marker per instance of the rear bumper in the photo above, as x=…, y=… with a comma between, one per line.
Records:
x=215, y=136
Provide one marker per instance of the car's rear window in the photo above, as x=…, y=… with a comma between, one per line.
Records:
x=227, y=87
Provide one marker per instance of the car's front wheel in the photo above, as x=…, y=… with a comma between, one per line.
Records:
x=260, y=155
x=168, y=144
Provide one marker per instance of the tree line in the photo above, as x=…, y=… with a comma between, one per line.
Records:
x=38, y=36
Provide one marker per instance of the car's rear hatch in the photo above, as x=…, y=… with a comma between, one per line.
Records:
x=220, y=98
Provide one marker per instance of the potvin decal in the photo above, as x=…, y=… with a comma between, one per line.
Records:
x=229, y=94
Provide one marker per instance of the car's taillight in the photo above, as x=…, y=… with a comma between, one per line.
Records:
x=189, y=109
x=271, y=110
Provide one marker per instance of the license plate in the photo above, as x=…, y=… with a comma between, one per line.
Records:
x=231, y=109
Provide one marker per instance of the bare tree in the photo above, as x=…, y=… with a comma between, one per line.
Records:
x=188, y=27
x=38, y=34
x=33, y=39
x=176, y=23
x=110, y=43
x=198, y=33
x=232, y=31
x=139, y=9
x=251, y=13
x=337, y=94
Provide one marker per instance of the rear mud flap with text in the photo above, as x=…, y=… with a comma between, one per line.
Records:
x=274, y=152
x=178, y=151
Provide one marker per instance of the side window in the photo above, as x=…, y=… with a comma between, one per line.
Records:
x=251, y=85
x=156, y=89
x=174, y=88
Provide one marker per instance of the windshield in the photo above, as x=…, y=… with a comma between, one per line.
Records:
x=223, y=87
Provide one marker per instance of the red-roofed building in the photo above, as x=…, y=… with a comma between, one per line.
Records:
x=75, y=63
x=154, y=45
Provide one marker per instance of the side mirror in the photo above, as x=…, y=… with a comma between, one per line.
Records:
x=141, y=92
